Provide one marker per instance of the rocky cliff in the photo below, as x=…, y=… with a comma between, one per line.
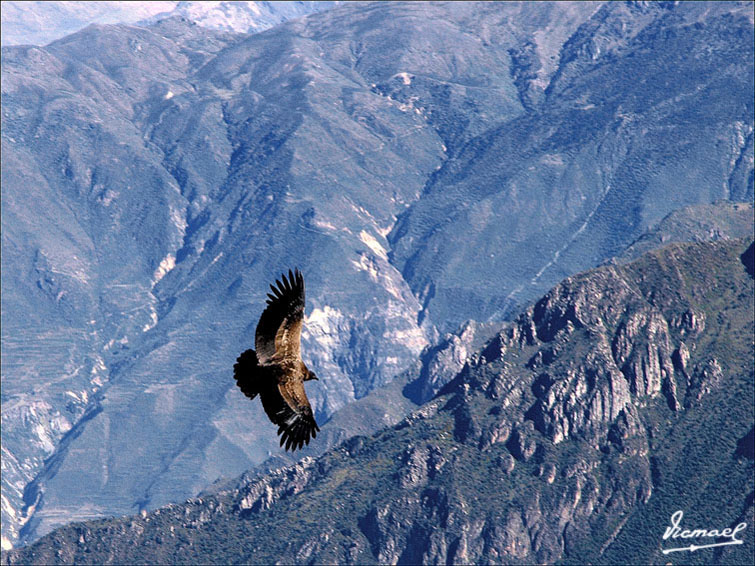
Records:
x=623, y=395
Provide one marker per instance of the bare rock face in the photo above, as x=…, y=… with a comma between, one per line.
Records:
x=644, y=362
x=262, y=494
x=522, y=445
x=496, y=433
x=414, y=471
x=705, y=377
x=443, y=361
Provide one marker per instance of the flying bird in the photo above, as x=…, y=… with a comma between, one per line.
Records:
x=276, y=371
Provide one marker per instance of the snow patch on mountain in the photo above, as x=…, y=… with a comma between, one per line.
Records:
x=241, y=17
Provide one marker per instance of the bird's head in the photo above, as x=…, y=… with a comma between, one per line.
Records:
x=310, y=375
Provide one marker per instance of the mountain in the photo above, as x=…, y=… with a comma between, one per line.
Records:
x=441, y=362
x=156, y=179
x=241, y=17
x=39, y=23
x=705, y=222
x=620, y=397
x=594, y=160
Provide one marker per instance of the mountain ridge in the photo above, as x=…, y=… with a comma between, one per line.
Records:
x=411, y=492
x=45, y=22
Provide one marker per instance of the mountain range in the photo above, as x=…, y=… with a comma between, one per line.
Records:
x=432, y=168
x=39, y=23
x=573, y=436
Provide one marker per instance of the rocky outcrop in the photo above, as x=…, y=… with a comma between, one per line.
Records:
x=443, y=361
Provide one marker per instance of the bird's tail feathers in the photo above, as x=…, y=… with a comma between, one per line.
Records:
x=244, y=371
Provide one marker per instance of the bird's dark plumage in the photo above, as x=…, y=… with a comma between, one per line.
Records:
x=275, y=370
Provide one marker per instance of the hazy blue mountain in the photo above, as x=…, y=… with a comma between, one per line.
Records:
x=620, y=397
x=39, y=23
x=605, y=149
x=156, y=179
x=705, y=222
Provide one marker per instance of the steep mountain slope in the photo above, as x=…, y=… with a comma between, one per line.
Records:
x=605, y=149
x=706, y=222
x=151, y=189
x=155, y=179
x=89, y=216
x=623, y=395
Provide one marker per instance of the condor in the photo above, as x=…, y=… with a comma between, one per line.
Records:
x=276, y=371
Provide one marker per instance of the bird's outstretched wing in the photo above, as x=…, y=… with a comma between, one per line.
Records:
x=279, y=329
x=287, y=406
